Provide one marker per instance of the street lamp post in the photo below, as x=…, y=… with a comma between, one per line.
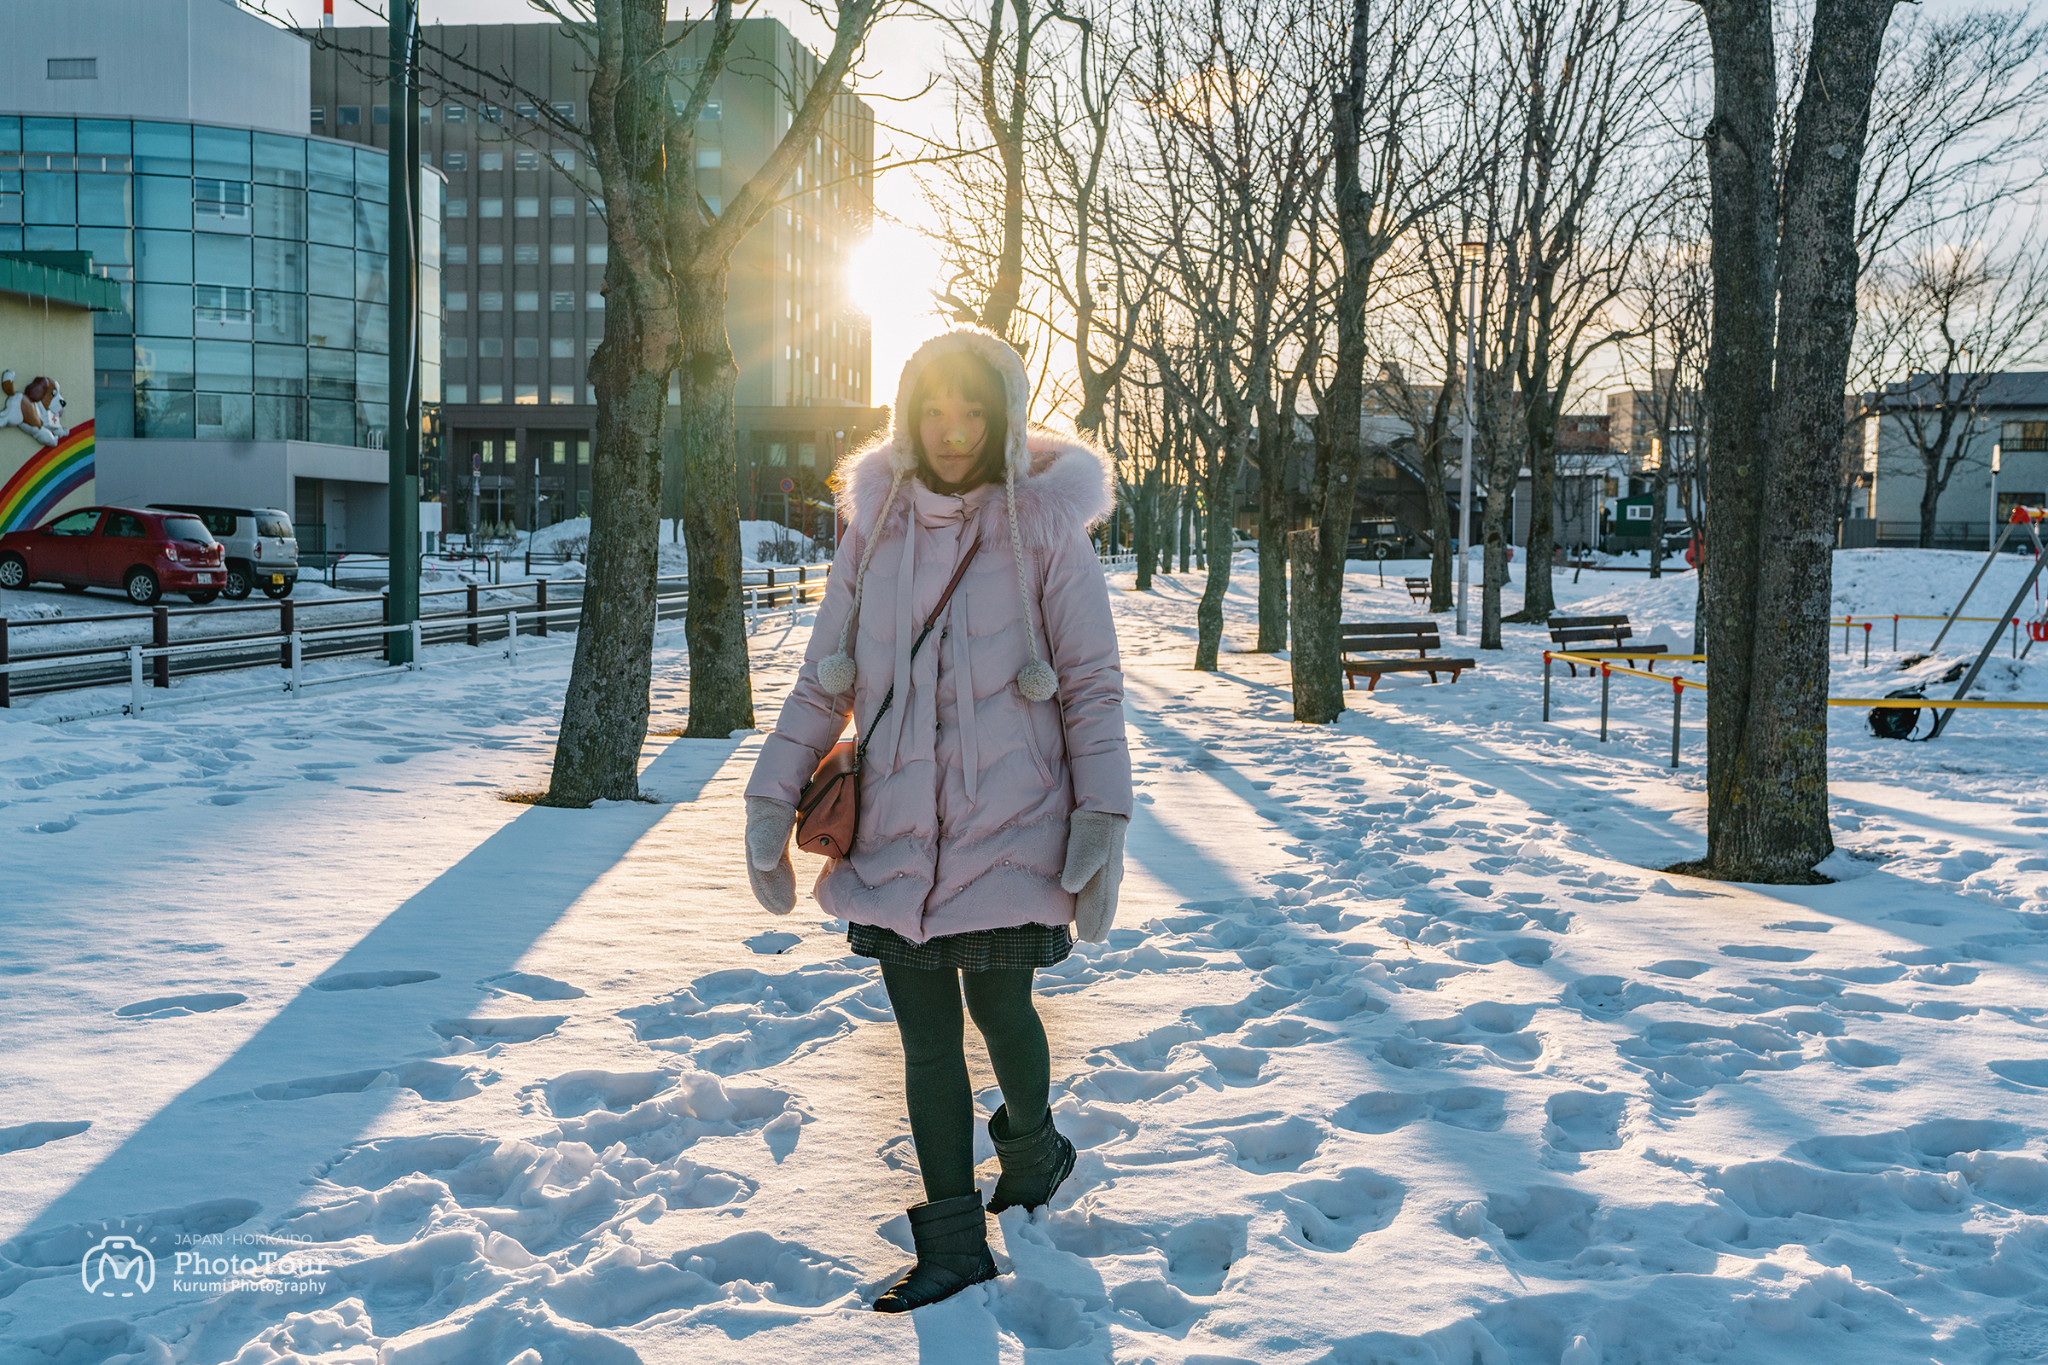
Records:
x=402, y=425
x=1991, y=531
x=1474, y=253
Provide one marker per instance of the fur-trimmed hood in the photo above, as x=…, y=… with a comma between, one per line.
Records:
x=1061, y=480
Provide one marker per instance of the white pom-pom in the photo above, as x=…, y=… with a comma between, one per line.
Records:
x=835, y=674
x=1037, y=681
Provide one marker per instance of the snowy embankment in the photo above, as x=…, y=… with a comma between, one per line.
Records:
x=1406, y=1052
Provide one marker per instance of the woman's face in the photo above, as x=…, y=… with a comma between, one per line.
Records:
x=954, y=430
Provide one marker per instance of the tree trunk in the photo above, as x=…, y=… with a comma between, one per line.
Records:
x=1316, y=662
x=1660, y=482
x=1274, y=523
x=721, y=685
x=1146, y=529
x=1184, y=537
x=1221, y=485
x=1777, y=444
x=604, y=711
x=1493, y=562
x=1538, y=600
x=1930, y=497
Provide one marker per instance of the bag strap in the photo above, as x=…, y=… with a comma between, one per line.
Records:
x=860, y=755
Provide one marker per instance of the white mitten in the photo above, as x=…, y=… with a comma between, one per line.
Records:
x=1095, y=869
x=769, y=823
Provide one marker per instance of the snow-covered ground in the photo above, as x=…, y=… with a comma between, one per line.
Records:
x=1405, y=1052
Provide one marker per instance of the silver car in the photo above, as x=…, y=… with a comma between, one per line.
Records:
x=261, y=549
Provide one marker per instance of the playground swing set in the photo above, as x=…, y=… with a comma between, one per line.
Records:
x=2031, y=518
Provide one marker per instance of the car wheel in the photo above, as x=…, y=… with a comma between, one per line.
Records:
x=204, y=596
x=238, y=583
x=141, y=587
x=13, y=571
x=277, y=590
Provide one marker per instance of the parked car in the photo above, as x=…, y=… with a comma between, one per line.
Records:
x=261, y=549
x=143, y=552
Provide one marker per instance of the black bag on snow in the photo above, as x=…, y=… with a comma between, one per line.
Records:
x=1897, y=722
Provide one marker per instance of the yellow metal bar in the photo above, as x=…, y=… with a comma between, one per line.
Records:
x=1931, y=702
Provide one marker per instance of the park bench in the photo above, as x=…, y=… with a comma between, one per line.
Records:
x=1584, y=635
x=1391, y=636
x=1418, y=589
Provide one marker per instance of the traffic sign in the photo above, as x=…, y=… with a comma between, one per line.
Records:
x=789, y=485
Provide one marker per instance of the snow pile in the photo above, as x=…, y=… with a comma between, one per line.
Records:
x=1404, y=1050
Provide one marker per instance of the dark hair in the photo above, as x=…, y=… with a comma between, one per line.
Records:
x=975, y=380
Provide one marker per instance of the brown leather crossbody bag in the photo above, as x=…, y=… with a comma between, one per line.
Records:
x=828, y=808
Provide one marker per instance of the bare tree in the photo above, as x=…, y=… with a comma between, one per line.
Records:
x=1785, y=264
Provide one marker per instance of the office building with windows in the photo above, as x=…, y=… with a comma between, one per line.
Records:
x=525, y=254
x=249, y=360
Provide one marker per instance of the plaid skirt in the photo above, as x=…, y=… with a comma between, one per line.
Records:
x=1011, y=947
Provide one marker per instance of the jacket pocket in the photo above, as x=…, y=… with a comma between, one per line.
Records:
x=1027, y=717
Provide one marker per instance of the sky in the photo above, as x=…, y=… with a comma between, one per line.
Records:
x=895, y=269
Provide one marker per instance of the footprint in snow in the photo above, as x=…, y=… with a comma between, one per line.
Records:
x=1584, y=1121
x=503, y=1029
x=177, y=1006
x=370, y=981
x=23, y=1136
x=532, y=987
x=1332, y=1215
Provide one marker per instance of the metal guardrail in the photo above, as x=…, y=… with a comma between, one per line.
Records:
x=768, y=592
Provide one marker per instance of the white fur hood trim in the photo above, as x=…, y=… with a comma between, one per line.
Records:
x=1065, y=485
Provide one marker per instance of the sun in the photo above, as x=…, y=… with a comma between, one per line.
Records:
x=893, y=271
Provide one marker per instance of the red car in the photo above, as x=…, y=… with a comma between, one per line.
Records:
x=144, y=553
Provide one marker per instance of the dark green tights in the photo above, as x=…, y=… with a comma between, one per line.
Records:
x=927, y=1005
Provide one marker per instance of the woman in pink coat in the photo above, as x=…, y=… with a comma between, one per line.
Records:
x=996, y=783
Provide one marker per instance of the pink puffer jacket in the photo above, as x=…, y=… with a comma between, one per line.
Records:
x=964, y=808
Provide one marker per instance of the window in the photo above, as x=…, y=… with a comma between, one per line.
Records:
x=526, y=301
x=778, y=454
x=806, y=455
x=491, y=348
x=457, y=208
x=380, y=114
x=710, y=114
x=455, y=348
x=562, y=348
x=597, y=253
x=456, y=393
x=453, y=113
x=562, y=301
x=317, y=116
x=709, y=158
x=488, y=254
x=564, y=160
x=526, y=393
x=456, y=255
x=491, y=301
x=562, y=254
x=526, y=348
x=523, y=109
x=491, y=113
x=526, y=253
x=491, y=161
x=77, y=524
x=2024, y=436
x=562, y=393
x=490, y=393
x=583, y=452
x=490, y=208
x=594, y=300
x=126, y=525
x=351, y=115
x=72, y=69
x=562, y=207
x=456, y=161
x=526, y=208
x=458, y=301
x=564, y=110
x=217, y=303
x=526, y=160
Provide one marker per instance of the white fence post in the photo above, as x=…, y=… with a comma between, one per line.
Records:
x=512, y=636
x=418, y=658
x=135, y=680
x=298, y=643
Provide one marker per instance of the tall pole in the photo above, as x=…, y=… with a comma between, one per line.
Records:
x=1991, y=531
x=403, y=424
x=1472, y=252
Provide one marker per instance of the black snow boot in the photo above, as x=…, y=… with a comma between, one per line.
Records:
x=952, y=1253
x=1034, y=1163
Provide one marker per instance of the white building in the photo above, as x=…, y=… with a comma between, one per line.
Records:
x=2009, y=411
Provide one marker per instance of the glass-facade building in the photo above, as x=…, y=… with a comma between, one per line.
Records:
x=253, y=267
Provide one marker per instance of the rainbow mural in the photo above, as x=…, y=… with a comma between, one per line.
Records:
x=37, y=490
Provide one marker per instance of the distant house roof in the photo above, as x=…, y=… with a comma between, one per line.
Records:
x=2005, y=389
x=59, y=276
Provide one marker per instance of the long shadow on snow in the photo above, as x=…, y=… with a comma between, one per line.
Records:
x=191, y=1168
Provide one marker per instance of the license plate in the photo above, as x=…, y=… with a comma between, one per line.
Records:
x=276, y=579
x=203, y=577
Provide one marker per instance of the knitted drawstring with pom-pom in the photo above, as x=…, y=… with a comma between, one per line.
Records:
x=836, y=671
x=1035, y=680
